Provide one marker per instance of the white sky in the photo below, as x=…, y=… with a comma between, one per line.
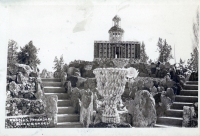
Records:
x=70, y=28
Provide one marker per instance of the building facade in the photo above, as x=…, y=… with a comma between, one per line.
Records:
x=116, y=47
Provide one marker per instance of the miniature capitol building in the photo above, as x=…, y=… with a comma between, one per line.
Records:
x=116, y=47
x=111, y=84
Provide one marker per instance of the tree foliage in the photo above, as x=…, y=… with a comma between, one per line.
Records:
x=58, y=64
x=143, y=55
x=164, y=50
x=28, y=55
x=193, y=61
x=150, y=61
x=181, y=61
x=12, y=53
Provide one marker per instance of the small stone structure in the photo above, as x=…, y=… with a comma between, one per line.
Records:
x=116, y=47
x=86, y=111
x=51, y=108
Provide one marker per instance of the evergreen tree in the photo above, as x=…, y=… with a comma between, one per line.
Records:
x=150, y=61
x=164, y=51
x=143, y=55
x=58, y=64
x=28, y=55
x=12, y=53
x=61, y=62
x=181, y=61
x=193, y=61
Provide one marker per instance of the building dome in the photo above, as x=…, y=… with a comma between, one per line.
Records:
x=115, y=29
x=116, y=32
x=117, y=18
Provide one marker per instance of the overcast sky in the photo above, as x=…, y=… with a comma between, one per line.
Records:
x=70, y=28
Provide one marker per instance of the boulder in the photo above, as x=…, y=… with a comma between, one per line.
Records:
x=166, y=102
x=181, y=78
x=39, y=93
x=72, y=71
x=14, y=88
x=133, y=91
x=142, y=109
x=140, y=84
x=29, y=95
x=167, y=65
x=157, y=97
x=86, y=110
x=21, y=79
x=188, y=115
x=155, y=83
x=73, y=80
x=148, y=84
x=75, y=99
x=78, y=74
x=90, y=83
x=88, y=73
x=63, y=78
x=170, y=94
x=81, y=81
x=95, y=102
x=193, y=76
x=11, y=78
x=160, y=88
x=25, y=69
x=169, y=84
x=12, y=70
x=33, y=74
x=69, y=88
x=154, y=91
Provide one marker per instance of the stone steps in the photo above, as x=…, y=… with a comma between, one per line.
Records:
x=68, y=110
x=192, y=82
x=170, y=121
x=52, y=84
x=61, y=96
x=189, y=92
x=174, y=113
x=69, y=125
x=54, y=89
x=68, y=118
x=179, y=105
x=174, y=116
x=183, y=98
x=190, y=87
x=62, y=103
x=50, y=80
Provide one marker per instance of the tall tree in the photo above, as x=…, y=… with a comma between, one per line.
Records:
x=61, y=61
x=12, y=53
x=143, y=55
x=181, y=61
x=164, y=50
x=193, y=61
x=58, y=64
x=28, y=55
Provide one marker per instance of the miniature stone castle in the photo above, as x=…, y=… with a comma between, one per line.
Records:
x=116, y=47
